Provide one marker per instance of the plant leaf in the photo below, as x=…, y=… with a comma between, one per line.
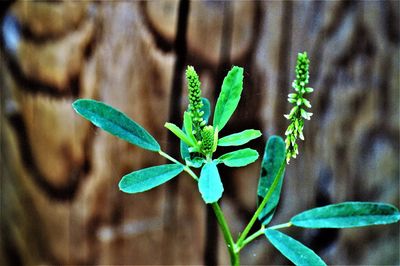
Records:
x=274, y=156
x=184, y=150
x=238, y=158
x=185, y=154
x=195, y=162
x=210, y=185
x=115, y=122
x=179, y=133
x=206, y=109
x=229, y=97
x=148, y=178
x=188, y=129
x=239, y=138
x=347, y=214
x=292, y=249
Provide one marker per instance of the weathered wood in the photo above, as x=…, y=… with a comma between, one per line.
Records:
x=59, y=201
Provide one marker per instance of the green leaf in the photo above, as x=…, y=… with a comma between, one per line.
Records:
x=115, y=122
x=149, y=178
x=184, y=150
x=179, y=133
x=238, y=158
x=210, y=185
x=188, y=126
x=292, y=249
x=196, y=162
x=347, y=214
x=274, y=156
x=206, y=109
x=229, y=97
x=239, y=138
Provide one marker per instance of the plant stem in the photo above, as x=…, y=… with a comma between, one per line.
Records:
x=279, y=226
x=233, y=252
x=186, y=168
x=252, y=237
x=232, y=249
x=277, y=178
x=261, y=231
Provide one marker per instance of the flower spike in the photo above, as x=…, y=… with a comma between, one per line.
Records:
x=195, y=103
x=298, y=113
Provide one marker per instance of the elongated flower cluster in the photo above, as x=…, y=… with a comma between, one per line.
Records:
x=298, y=112
x=195, y=103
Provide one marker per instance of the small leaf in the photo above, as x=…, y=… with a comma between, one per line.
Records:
x=210, y=185
x=179, y=133
x=206, y=109
x=347, y=214
x=188, y=126
x=148, y=178
x=229, y=97
x=239, y=138
x=292, y=249
x=274, y=156
x=196, y=162
x=238, y=158
x=184, y=150
x=115, y=122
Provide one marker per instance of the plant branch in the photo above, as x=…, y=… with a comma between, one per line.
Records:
x=234, y=254
x=186, y=168
x=262, y=205
x=279, y=226
x=261, y=231
x=252, y=237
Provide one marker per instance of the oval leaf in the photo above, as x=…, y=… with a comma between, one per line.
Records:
x=229, y=97
x=239, y=138
x=347, y=214
x=115, y=122
x=239, y=158
x=149, y=178
x=274, y=156
x=210, y=185
x=292, y=249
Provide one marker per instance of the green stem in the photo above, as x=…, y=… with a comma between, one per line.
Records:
x=261, y=231
x=275, y=183
x=252, y=237
x=279, y=226
x=186, y=168
x=233, y=252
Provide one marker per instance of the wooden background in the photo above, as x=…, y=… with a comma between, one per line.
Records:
x=60, y=203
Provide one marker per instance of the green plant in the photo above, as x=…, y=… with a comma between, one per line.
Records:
x=199, y=141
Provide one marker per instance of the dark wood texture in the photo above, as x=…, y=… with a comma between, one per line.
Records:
x=59, y=199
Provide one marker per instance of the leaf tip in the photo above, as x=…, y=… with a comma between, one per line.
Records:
x=238, y=69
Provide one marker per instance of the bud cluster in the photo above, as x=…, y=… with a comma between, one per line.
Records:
x=208, y=140
x=298, y=112
x=195, y=102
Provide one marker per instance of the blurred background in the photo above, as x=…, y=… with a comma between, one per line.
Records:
x=60, y=202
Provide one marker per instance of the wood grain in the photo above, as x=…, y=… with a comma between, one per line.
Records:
x=59, y=201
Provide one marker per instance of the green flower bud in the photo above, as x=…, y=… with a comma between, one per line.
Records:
x=207, y=143
x=195, y=102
